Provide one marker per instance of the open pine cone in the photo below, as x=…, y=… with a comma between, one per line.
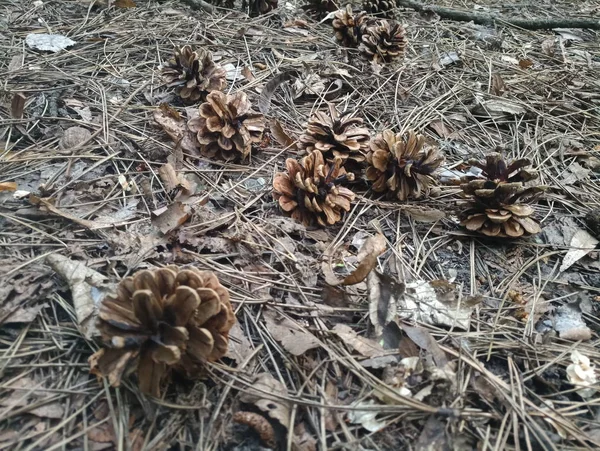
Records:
x=497, y=207
x=310, y=190
x=383, y=40
x=163, y=320
x=195, y=73
x=348, y=25
x=337, y=136
x=227, y=126
x=402, y=165
x=380, y=8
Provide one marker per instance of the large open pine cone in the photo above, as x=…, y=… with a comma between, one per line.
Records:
x=496, y=206
x=383, y=41
x=162, y=320
x=337, y=136
x=227, y=126
x=310, y=190
x=402, y=165
x=194, y=72
x=348, y=26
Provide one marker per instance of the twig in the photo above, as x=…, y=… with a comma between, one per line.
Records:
x=488, y=19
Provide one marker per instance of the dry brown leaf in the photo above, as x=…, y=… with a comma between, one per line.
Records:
x=74, y=137
x=17, y=105
x=384, y=294
x=364, y=346
x=422, y=338
x=27, y=393
x=169, y=111
x=177, y=130
x=172, y=217
x=303, y=440
x=8, y=186
x=264, y=101
x=125, y=4
x=424, y=214
x=281, y=135
x=295, y=340
x=168, y=175
x=498, y=87
x=247, y=73
x=525, y=63
x=267, y=394
x=240, y=347
x=88, y=288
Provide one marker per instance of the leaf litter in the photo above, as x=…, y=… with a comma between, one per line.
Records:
x=394, y=321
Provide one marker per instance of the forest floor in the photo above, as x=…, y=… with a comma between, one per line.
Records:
x=91, y=206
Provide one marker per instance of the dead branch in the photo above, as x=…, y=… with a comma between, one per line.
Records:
x=490, y=19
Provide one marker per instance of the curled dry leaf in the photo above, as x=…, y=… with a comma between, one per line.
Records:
x=281, y=136
x=365, y=346
x=268, y=394
x=172, y=217
x=372, y=248
x=264, y=102
x=177, y=129
x=291, y=336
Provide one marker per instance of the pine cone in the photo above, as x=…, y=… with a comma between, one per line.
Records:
x=320, y=8
x=383, y=41
x=310, y=190
x=348, y=26
x=380, y=8
x=162, y=320
x=337, y=136
x=401, y=165
x=260, y=7
x=495, y=208
x=194, y=72
x=227, y=126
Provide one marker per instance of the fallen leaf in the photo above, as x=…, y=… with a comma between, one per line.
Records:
x=384, y=294
x=548, y=46
x=247, y=73
x=88, y=288
x=433, y=436
x=497, y=108
x=581, y=244
x=366, y=418
x=172, y=217
x=372, y=248
x=424, y=214
x=364, y=346
x=240, y=347
x=303, y=440
x=125, y=4
x=17, y=105
x=281, y=136
x=232, y=72
x=33, y=397
x=74, y=137
x=177, y=130
x=422, y=338
x=8, y=186
x=168, y=176
x=169, y=111
x=48, y=42
x=267, y=393
x=569, y=324
x=525, y=63
x=264, y=101
x=25, y=314
x=293, y=338
x=498, y=88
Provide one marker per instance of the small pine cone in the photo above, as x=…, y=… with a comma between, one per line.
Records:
x=310, y=190
x=337, y=136
x=227, y=126
x=380, y=8
x=320, y=8
x=195, y=73
x=260, y=7
x=402, y=165
x=383, y=41
x=496, y=206
x=163, y=320
x=348, y=25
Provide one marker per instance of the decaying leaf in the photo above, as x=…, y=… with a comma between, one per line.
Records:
x=497, y=108
x=177, y=130
x=425, y=341
x=581, y=244
x=433, y=436
x=295, y=340
x=366, y=418
x=17, y=105
x=372, y=248
x=498, y=87
x=88, y=288
x=48, y=42
x=32, y=396
x=264, y=102
x=239, y=346
x=267, y=394
x=281, y=136
x=384, y=294
x=172, y=217
x=363, y=345
x=8, y=186
x=423, y=214
x=74, y=137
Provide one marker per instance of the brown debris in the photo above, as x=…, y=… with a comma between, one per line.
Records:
x=402, y=165
x=162, y=320
x=310, y=190
x=383, y=41
x=380, y=8
x=194, y=73
x=227, y=126
x=496, y=207
x=260, y=424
